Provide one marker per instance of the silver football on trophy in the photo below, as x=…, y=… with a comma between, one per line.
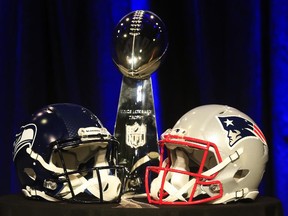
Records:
x=140, y=40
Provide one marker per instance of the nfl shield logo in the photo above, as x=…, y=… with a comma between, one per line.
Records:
x=136, y=135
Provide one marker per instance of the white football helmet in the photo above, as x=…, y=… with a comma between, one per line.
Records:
x=215, y=154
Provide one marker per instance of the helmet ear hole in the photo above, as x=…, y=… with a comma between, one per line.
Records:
x=240, y=174
x=30, y=173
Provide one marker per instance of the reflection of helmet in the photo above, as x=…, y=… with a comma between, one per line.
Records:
x=216, y=154
x=65, y=153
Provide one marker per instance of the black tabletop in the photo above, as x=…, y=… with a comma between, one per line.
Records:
x=17, y=204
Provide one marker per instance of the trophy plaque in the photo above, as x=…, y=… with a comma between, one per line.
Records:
x=139, y=43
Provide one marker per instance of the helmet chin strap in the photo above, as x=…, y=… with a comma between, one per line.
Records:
x=176, y=184
x=180, y=162
x=110, y=184
x=110, y=187
x=168, y=187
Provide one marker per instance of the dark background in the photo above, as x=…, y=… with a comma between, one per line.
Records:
x=230, y=52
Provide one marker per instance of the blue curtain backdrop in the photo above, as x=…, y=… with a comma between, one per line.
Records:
x=228, y=52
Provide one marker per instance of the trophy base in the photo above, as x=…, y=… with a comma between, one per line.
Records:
x=135, y=129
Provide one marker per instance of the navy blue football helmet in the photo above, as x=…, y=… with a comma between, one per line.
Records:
x=65, y=154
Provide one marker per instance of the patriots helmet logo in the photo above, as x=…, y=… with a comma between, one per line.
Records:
x=238, y=128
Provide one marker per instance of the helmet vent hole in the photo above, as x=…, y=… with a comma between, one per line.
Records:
x=106, y=187
x=240, y=174
x=30, y=173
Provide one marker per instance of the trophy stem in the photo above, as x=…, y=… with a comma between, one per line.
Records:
x=136, y=130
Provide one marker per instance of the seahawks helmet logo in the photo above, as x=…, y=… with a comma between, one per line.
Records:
x=238, y=128
x=25, y=138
